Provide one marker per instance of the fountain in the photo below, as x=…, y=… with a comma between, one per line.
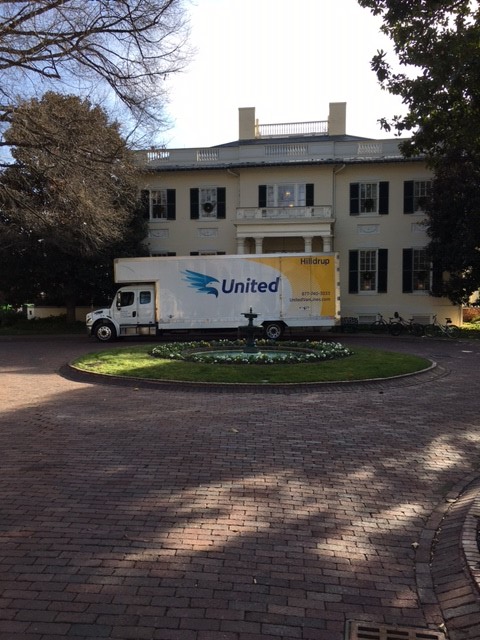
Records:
x=250, y=330
x=250, y=353
x=227, y=352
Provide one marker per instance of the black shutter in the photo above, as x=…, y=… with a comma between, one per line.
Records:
x=382, y=270
x=221, y=202
x=383, y=198
x=408, y=196
x=171, y=204
x=262, y=195
x=309, y=195
x=407, y=271
x=354, y=198
x=145, y=204
x=194, y=203
x=353, y=272
x=194, y=253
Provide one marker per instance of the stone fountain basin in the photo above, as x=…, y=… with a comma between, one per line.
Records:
x=273, y=353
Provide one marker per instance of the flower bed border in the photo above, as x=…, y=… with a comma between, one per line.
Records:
x=300, y=352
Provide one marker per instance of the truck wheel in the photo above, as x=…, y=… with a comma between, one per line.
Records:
x=104, y=332
x=274, y=330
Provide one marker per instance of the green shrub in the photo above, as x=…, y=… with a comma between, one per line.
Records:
x=9, y=316
x=38, y=326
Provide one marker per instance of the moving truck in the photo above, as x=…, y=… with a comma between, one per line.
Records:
x=213, y=292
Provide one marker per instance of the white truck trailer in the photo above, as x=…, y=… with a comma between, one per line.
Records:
x=213, y=292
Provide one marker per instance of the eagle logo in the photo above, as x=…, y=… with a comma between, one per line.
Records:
x=200, y=282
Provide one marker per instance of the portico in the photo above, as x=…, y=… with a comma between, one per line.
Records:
x=263, y=230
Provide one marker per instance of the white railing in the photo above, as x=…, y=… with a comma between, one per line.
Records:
x=287, y=150
x=284, y=213
x=152, y=155
x=369, y=149
x=207, y=155
x=318, y=127
x=309, y=149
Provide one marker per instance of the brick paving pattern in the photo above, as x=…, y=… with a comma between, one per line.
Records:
x=151, y=513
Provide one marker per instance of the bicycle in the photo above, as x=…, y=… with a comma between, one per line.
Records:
x=436, y=330
x=400, y=325
x=380, y=325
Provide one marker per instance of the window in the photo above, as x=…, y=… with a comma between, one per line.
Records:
x=285, y=195
x=207, y=253
x=145, y=297
x=416, y=271
x=125, y=298
x=159, y=204
x=369, y=198
x=415, y=195
x=207, y=203
x=368, y=271
x=163, y=254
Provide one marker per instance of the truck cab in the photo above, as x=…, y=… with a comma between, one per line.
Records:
x=132, y=313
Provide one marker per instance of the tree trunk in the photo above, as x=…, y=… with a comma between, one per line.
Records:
x=70, y=307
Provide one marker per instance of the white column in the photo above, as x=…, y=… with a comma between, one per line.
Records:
x=240, y=245
x=327, y=243
x=307, y=244
x=258, y=245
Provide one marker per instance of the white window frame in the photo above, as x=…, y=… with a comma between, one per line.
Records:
x=420, y=265
x=367, y=270
x=207, y=203
x=287, y=194
x=368, y=197
x=158, y=197
x=421, y=191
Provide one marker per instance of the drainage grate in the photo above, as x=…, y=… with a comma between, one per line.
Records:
x=368, y=631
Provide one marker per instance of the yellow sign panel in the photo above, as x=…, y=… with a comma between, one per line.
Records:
x=313, y=283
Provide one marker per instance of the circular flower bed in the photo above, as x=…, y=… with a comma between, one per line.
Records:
x=230, y=352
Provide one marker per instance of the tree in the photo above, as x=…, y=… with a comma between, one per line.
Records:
x=48, y=275
x=437, y=43
x=85, y=46
x=69, y=203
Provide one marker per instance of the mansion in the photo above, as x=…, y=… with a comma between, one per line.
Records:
x=302, y=187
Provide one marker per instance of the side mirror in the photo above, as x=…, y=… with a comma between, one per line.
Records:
x=118, y=300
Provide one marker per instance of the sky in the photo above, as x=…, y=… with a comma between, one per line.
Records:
x=287, y=58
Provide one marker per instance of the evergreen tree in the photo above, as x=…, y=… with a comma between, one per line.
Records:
x=438, y=44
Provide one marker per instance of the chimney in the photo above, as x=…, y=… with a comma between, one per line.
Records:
x=246, y=123
x=337, y=118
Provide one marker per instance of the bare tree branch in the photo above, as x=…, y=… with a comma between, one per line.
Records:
x=128, y=46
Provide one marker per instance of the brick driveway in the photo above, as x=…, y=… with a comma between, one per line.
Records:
x=174, y=514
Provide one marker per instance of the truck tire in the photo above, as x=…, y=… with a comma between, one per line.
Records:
x=274, y=330
x=104, y=332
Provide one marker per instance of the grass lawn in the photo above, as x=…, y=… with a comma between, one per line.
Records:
x=137, y=362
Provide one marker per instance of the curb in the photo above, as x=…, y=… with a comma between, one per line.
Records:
x=470, y=541
x=432, y=372
x=447, y=562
